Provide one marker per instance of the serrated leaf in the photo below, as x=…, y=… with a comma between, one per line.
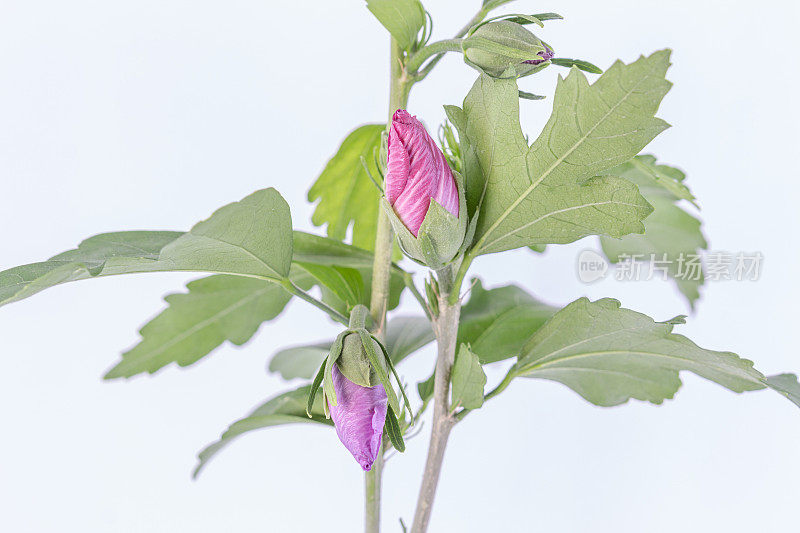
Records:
x=669, y=230
x=346, y=194
x=216, y=309
x=252, y=237
x=403, y=19
x=548, y=192
x=609, y=354
x=224, y=307
x=497, y=322
x=287, y=408
x=654, y=179
x=467, y=380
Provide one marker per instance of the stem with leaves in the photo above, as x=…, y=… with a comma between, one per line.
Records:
x=446, y=329
x=399, y=87
x=403, y=75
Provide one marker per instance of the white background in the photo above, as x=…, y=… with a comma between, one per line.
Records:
x=150, y=114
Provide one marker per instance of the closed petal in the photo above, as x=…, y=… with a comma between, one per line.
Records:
x=429, y=175
x=359, y=417
x=398, y=166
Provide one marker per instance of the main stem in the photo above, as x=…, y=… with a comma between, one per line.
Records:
x=446, y=328
x=399, y=87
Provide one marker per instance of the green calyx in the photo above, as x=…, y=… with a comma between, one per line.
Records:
x=498, y=46
x=441, y=237
x=362, y=359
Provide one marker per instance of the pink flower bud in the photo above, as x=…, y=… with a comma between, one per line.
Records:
x=416, y=171
x=359, y=416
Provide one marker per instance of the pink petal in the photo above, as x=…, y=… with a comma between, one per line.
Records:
x=416, y=172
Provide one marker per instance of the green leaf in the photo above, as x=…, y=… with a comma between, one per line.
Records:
x=102, y=255
x=394, y=432
x=467, y=379
x=403, y=19
x=494, y=4
x=310, y=248
x=346, y=194
x=220, y=308
x=654, y=179
x=407, y=334
x=425, y=388
x=787, y=385
x=517, y=18
x=549, y=192
x=287, y=408
x=609, y=354
x=252, y=237
x=343, y=288
x=496, y=323
x=530, y=96
x=299, y=361
x=542, y=17
x=404, y=335
x=346, y=284
x=216, y=309
x=315, y=385
x=672, y=235
x=581, y=64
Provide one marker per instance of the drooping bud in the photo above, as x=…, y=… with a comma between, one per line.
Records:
x=359, y=416
x=424, y=196
x=497, y=46
x=357, y=391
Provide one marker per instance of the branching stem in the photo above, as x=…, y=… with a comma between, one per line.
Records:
x=446, y=328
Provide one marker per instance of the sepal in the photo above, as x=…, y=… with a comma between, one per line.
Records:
x=495, y=47
x=394, y=432
x=441, y=236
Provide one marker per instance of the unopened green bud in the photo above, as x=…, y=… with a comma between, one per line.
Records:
x=497, y=46
x=354, y=362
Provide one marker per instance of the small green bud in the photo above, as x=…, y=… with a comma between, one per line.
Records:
x=497, y=46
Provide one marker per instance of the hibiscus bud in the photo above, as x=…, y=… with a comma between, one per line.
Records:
x=497, y=46
x=424, y=197
x=354, y=362
x=359, y=416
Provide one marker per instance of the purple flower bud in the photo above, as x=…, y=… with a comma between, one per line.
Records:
x=359, y=416
x=416, y=172
x=547, y=54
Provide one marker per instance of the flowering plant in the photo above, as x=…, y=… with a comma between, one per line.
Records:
x=419, y=208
